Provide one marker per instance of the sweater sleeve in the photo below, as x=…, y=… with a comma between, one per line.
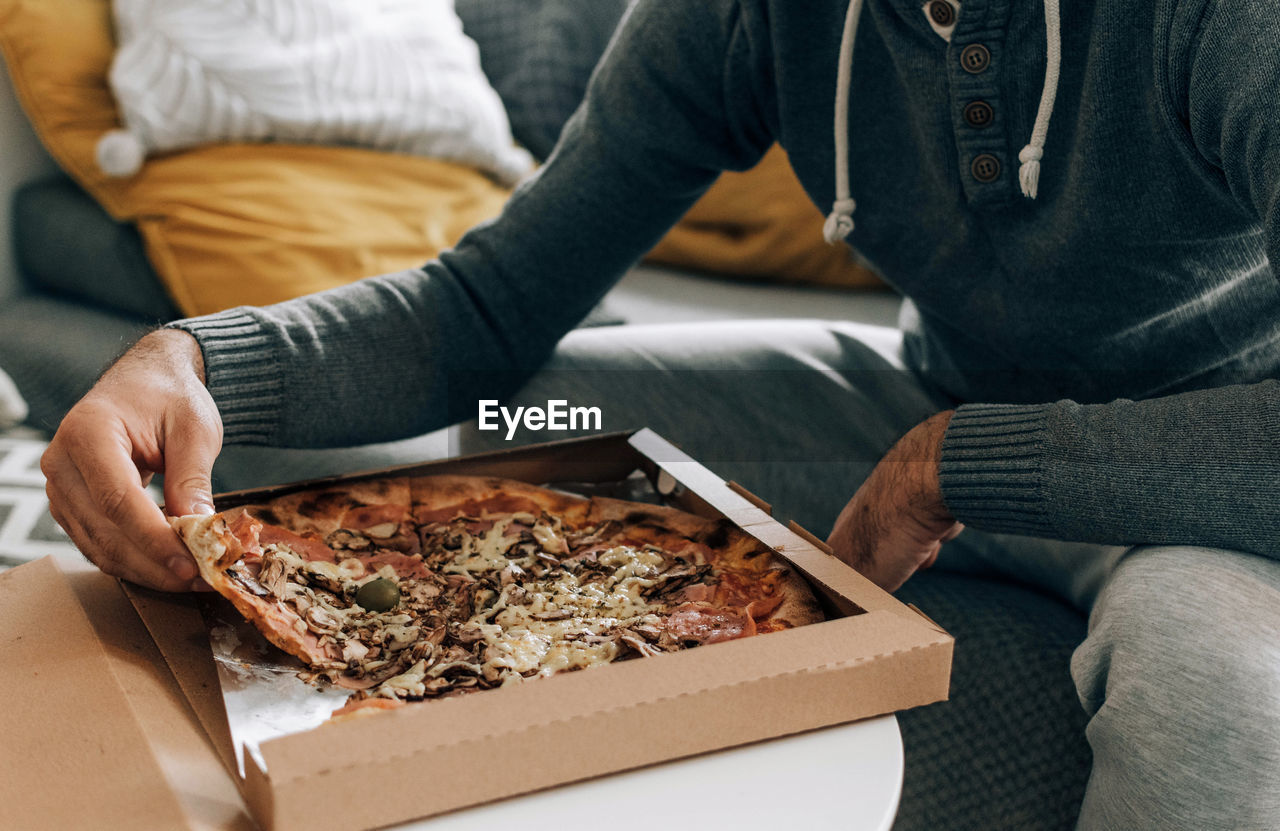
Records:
x=682, y=93
x=1201, y=467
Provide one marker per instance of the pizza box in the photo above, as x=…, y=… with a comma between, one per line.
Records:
x=872, y=656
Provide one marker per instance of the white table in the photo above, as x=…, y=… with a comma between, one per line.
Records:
x=847, y=777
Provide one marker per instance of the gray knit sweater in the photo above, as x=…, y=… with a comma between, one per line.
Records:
x=1114, y=342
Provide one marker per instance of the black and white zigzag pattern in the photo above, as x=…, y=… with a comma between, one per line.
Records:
x=27, y=531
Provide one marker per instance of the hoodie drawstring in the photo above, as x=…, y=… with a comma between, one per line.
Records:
x=1029, y=172
x=839, y=222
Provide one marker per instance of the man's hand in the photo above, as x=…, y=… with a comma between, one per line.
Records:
x=150, y=413
x=896, y=522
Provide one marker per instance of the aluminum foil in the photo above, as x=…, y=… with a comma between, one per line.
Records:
x=261, y=690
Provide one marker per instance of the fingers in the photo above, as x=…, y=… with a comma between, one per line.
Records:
x=97, y=496
x=191, y=446
x=108, y=547
x=149, y=413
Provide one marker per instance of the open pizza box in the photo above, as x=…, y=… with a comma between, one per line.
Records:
x=873, y=655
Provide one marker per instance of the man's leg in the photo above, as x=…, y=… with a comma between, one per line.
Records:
x=797, y=411
x=1180, y=674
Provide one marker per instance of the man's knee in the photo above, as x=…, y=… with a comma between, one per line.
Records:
x=1185, y=615
x=1181, y=675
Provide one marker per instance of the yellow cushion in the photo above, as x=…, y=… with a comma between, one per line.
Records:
x=232, y=224
x=761, y=224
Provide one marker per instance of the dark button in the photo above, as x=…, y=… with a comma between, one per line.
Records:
x=978, y=113
x=940, y=12
x=985, y=168
x=975, y=58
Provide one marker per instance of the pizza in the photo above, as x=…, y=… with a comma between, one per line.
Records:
x=402, y=589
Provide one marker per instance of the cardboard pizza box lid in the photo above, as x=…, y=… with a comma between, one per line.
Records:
x=74, y=754
x=106, y=683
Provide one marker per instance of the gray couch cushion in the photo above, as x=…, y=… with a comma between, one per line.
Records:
x=67, y=245
x=55, y=349
x=538, y=54
x=1008, y=751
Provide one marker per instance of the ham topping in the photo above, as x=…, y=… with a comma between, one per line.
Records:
x=707, y=624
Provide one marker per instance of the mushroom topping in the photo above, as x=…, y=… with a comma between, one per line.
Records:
x=469, y=633
x=420, y=591
x=273, y=576
x=345, y=539
x=549, y=539
x=409, y=681
x=249, y=583
x=510, y=574
x=647, y=632
x=353, y=652
x=398, y=637
x=383, y=530
x=322, y=621
x=644, y=649
x=466, y=666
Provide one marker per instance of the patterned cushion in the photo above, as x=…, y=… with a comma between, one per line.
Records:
x=27, y=532
x=1008, y=751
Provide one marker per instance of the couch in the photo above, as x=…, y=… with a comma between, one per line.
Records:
x=1008, y=750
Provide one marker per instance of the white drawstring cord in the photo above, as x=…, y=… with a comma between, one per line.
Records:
x=1030, y=156
x=840, y=221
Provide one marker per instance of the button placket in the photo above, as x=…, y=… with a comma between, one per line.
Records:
x=974, y=69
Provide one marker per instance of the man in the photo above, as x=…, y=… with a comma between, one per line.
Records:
x=1086, y=378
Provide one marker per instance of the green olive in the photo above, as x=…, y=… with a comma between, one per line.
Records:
x=379, y=595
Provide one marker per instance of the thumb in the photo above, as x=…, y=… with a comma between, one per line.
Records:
x=190, y=449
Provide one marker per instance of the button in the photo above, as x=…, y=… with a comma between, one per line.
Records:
x=940, y=12
x=978, y=114
x=985, y=168
x=975, y=58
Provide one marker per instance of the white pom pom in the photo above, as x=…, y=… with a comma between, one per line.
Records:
x=13, y=410
x=120, y=153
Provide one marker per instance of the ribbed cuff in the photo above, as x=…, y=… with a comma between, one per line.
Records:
x=242, y=372
x=992, y=457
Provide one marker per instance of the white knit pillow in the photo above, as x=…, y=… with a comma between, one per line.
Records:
x=389, y=74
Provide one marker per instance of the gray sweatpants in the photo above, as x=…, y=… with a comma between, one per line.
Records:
x=1180, y=671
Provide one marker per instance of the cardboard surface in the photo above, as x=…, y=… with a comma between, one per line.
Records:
x=205, y=789
x=180, y=636
x=73, y=754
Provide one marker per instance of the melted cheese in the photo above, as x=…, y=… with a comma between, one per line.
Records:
x=520, y=638
x=484, y=553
